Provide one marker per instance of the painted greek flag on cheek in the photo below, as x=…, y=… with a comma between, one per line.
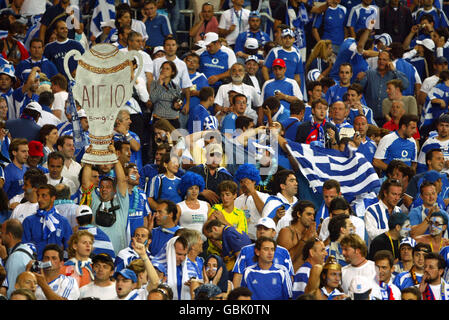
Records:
x=354, y=173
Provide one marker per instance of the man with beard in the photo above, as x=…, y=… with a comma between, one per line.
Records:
x=301, y=229
x=398, y=227
x=253, y=99
x=433, y=286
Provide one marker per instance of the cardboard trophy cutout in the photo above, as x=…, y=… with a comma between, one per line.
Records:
x=103, y=85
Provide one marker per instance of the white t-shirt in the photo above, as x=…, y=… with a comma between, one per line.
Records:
x=65, y=286
x=63, y=180
x=246, y=203
x=147, y=64
x=103, y=293
x=230, y=17
x=72, y=173
x=182, y=78
x=358, y=223
x=59, y=103
x=193, y=218
x=24, y=210
x=368, y=269
x=429, y=83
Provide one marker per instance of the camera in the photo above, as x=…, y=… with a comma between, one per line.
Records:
x=38, y=265
x=179, y=101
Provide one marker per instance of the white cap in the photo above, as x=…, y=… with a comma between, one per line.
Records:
x=34, y=106
x=82, y=113
x=157, y=49
x=108, y=23
x=83, y=210
x=251, y=43
x=266, y=222
x=287, y=32
x=252, y=57
x=210, y=37
x=428, y=43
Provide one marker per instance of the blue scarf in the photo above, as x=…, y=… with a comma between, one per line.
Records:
x=49, y=222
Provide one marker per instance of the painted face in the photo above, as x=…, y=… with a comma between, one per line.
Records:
x=405, y=229
x=436, y=226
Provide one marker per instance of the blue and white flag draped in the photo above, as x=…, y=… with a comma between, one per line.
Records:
x=104, y=10
x=354, y=173
x=78, y=140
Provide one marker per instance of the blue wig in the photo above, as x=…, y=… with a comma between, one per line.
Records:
x=190, y=179
x=249, y=171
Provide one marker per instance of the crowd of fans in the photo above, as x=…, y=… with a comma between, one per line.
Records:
x=210, y=197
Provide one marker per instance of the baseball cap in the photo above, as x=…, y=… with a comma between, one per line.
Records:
x=428, y=43
x=214, y=148
x=157, y=49
x=441, y=60
x=83, y=210
x=8, y=69
x=444, y=118
x=279, y=62
x=127, y=274
x=432, y=176
x=254, y=14
x=35, y=149
x=251, y=43
x=210, y=37
x=287, y=32
x=34, y=106
x=313, y=75
x=360, y=288
x=266, y=222
x=82, y=113
x=252, y=58
x=385, y=38
x=103, y=257
x=409, y=241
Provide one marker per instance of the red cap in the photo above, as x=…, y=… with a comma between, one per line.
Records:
x=279, y=62
x=35, y=149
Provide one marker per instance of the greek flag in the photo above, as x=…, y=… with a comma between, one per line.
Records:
x=354, y=173
x=104, y=10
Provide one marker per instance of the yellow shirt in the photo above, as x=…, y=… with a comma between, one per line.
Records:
x=236, y=218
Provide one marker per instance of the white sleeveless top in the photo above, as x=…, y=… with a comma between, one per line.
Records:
x=193, y=218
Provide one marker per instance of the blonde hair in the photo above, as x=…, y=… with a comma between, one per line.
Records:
x=354, y=241
x=318, y=52
x=75, y=238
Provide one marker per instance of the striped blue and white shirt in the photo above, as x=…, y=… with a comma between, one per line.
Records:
x=64, y=286
x=393, y=147
x=300, y=280
x=376, y=219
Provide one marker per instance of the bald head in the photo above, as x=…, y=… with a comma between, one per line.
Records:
x=26, y=280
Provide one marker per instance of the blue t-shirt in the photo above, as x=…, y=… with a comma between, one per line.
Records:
x=393, y=147
x=199, y=81
x=56, y=52
x=260, y=36
x=348, y=53
x=214, y=64
x=272, y=284
x=359, y=14
x=293, y=61
x=14, y=179
x=24, y=67
x=160, y=237
x=197, y=115
x=158, y=28
x=138, y=210
x=168, y=190
x=334, y=23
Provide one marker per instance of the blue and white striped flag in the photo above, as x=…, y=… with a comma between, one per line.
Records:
x=354, y=173
x=104, y=11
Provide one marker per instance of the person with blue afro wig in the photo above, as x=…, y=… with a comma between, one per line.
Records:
x=249, y=171
x=190, y=179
